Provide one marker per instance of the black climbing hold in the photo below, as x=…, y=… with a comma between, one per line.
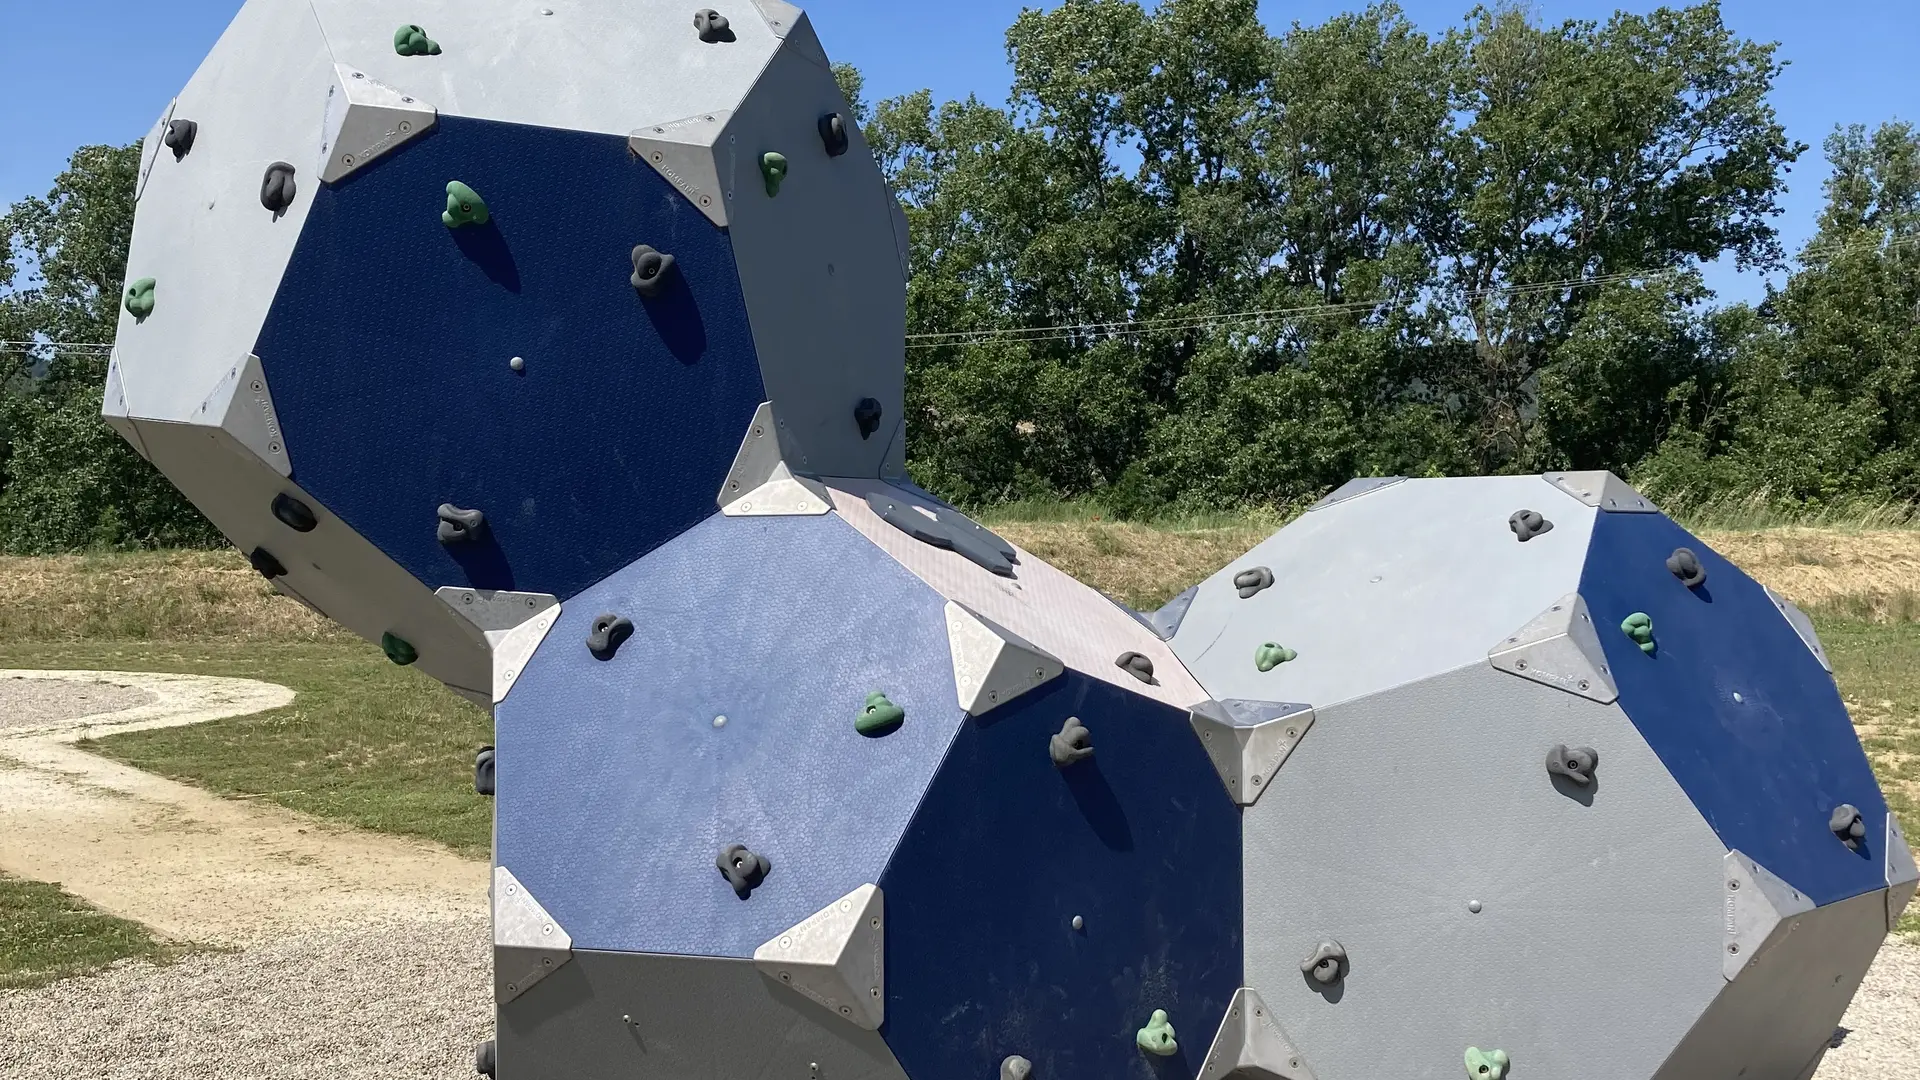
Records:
x=1527, y=524
x=606, y=634
x=833, y=134
x=179, y=137
x=947, y=528
x=1326, y=964
x=1576, y=763
x=1685, y=565
x=263, y=561
x=483, y=1058
x=650, y=270
x=743, y=869
x=712, y=26
x=277, y=187
x=293, y=513
x=1848, y=825
x=866, y=413
x=1136, y=665
x=483, y=771
x=1074, y=743
x=1250, y=582
x=459, y=526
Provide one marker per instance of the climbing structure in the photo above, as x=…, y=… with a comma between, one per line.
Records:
x=559, y=350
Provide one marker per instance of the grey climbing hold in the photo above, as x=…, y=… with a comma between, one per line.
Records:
x=743, y=869
x=949, y=529
x=459, y=526
x=1527, y=524
x=1251, y=582
x=1326, y=964
x=1685, y=565
x=483, y=771
x=277, y=188
x=268, y=566
x=1015, y=1067
x=712, y=26
x=483, y=1058
x=1136, y=665
x=293, y=513
x=179, y=137
x=606, y=634
x=1848, y=825
x=651, y=269
x=1073, y=744
x=866, y=414
x=833, y=134
x=1575, y=763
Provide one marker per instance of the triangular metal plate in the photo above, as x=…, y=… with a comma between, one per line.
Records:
x=791, y=25
x=495, y=611
x=527, y=944
x=1802, y=626
x=682, y=151
x=761, y=485
x=1251, y=1045
x=1903, y=877
x=1355, y=488
x=115, y=410
x=837, y=957
x=1601, y=489
x=901, y=236
x=991, y=664
x=513, y=648
x=153, y=147
x=1559, y=648
x=1248, y=741
x=1760, y=910
x=1166, y=621
x=242, y=406
x=365, y=120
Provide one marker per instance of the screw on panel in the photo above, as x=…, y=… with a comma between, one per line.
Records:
x=712, y=26
x=1527, y=524
x=1685, y=565
x=264, y=562
x=1848, y=825
x=606, y=634
x=483, y=1058
x=398, y=649
x=833, y=134
x=1639, y=627
x=879, y=716
x=1251, y=582
x=866, y=414
x=743, y=869
x=1486, y=1064
x=293, y=513
x=651, y=269
x=139, y=299
x=1326, y=964
x=1136, y=665
x=277, y=188
x=464, y=207
x=1015, y=1067
x=517, y=364
x=773, y=169
x=1157, y=1037
x=1576, y=763
x=459, y=526
x=1271, y=655
x=410, y=40
x=1074, y=743
x=483, y=771
x=179, y=137
x=1475, y=906
x=1077, y=923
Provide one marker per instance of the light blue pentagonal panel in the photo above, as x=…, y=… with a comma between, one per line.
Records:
x=619, y=781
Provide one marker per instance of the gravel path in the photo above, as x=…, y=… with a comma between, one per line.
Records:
x=1882, y=1028
x=28, y=702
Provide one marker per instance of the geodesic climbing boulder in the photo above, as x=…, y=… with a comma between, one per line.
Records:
x=558, y=350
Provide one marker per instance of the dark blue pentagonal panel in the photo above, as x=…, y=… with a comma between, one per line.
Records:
x=1736, y=706
x=1140, y=841
x=618, y=783
x=389, y=347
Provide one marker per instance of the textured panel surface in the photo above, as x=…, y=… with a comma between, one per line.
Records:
x=1403, y=582
x=1138, y=840
x=1767, y=769
x=690, y=1017
x=622, y=425
x=1600, y=907
x=617, y=790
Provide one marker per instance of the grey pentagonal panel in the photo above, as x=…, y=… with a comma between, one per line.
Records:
x=591, y=65
x=648, y=1015
x=1385, y=588
x=1480, y=900
x=216, y=254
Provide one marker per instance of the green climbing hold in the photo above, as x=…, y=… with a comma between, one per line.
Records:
x=774, y=168
x=413, y=41
x=1486, y=1064
x=1639, y=627
x=140, y=299
x=398, y=650
x=464, y=206
x=1272, y=655
x=1157, y=1036
x=879, y=716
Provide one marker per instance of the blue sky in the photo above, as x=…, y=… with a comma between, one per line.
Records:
x=91, y=71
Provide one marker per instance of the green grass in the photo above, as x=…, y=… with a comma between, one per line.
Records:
x=48, y=934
